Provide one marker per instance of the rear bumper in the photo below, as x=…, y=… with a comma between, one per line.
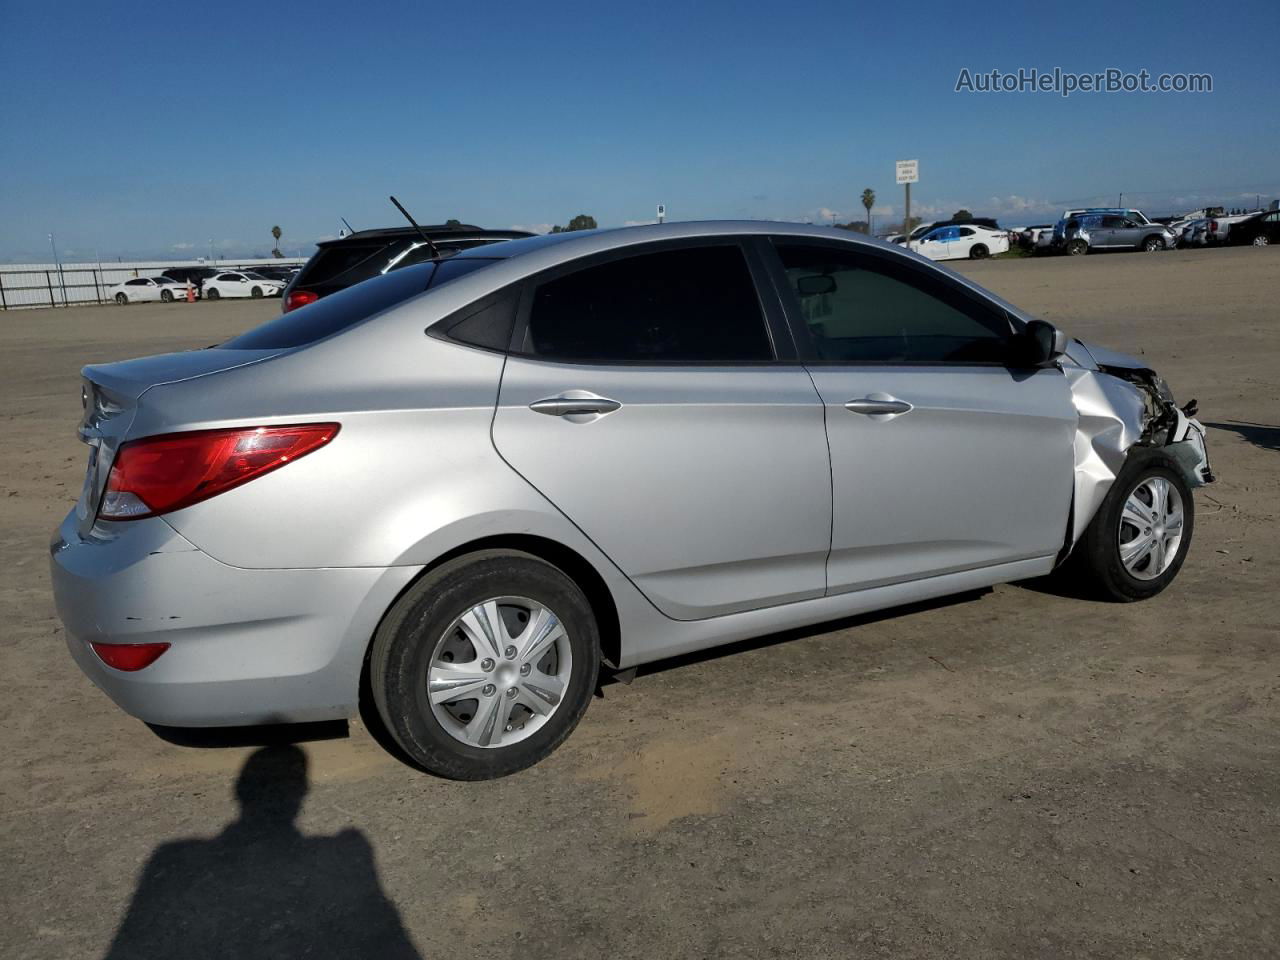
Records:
x=246, y=646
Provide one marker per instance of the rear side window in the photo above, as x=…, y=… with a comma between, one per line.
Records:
x=696, y=305
x=349, y=307
x=865, y=309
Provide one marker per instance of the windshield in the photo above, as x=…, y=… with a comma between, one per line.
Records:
x=351, y=306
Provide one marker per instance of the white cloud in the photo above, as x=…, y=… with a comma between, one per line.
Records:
x=184, y=246
x=637, y=223
x=533, y=227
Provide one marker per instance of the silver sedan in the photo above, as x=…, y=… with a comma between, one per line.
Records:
x=480, y=480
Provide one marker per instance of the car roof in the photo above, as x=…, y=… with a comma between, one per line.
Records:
x=571, y=244
x=436, y=231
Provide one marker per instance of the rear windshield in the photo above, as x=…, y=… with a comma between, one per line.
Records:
x=349, y=307
x=332, y=262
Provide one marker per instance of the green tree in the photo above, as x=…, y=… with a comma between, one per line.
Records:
x=582, y=221
x=451, y=222
x=868, y=201
x=276, y=233
x=962, y=214
x=856, y=226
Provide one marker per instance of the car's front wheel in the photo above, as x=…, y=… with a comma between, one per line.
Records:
x=256, y=293
x=166, y=296
x=1152, y=244
x=1136, y=543
x=122, y=299
x=485, y=665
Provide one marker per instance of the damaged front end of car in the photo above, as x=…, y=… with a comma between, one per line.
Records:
x=1124, y=404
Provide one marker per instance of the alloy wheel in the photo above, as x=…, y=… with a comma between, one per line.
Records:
x=499, y=672
x=1261, y=240
x=1151, y=524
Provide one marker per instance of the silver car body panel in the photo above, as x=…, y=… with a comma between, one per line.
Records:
x=662, y=484
x=703, y=501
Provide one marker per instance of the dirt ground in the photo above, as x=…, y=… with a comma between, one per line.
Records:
x=1008, y=774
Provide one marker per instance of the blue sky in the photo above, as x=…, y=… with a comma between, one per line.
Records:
x=135, y=129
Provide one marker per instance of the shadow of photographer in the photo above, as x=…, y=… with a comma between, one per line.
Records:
x=261, y=888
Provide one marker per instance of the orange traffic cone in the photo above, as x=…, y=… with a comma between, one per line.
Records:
x=191, y=293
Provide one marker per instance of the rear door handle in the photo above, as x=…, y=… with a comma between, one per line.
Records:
x=877, y=406
x=567, y=406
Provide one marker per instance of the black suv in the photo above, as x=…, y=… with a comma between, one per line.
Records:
x=272, y=272
x=196, y=276
x=341, y=263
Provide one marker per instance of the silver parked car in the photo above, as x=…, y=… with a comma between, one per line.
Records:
x=475, y=480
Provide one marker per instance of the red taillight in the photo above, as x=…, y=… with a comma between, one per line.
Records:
x=158, y=474
x=129, y=656
x=1213, y=226
x=299, y=298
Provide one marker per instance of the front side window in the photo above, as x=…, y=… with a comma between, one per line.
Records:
x=866, y=309
x=694, y=305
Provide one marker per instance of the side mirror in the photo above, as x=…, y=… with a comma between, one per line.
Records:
x=813, y=285
x=1039, y=343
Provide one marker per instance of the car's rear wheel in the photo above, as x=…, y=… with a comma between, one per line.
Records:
x=256, y=293
x=212, y=293
x=1152, y=244
x=1136, y=544
x=978, y=252
x=122, y=299
x=166, y=296
x=1077, y=248
x=1261, y=240
x=485, y=665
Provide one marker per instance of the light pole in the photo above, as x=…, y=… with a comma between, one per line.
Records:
x=62, y=283
x=211, y=260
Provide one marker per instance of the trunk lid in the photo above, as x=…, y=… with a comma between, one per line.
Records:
x=110, y=394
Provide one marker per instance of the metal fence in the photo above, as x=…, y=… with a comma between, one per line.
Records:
x=24, y=286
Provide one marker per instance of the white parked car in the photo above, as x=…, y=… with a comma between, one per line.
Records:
x=241, y=284
x=146, y=290
x=970, y=242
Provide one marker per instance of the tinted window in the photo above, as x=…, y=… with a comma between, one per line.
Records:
x=136, y=283
x=696, y=305
x=966, y=232
x=349, y=307
x=865, y=309
x=332, y=262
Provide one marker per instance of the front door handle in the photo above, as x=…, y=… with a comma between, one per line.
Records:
x=878, y=406
x=567, y=406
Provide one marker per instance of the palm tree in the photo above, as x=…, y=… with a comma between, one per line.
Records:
x=275, y=232
x=868, y=201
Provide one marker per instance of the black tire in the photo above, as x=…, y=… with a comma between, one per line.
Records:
x=1077, y=248
x=1261, y=240
x=122, y=298
x=166, y=296
x=212, y=294
x=256, y=293
x=405, y=643
x=1095, y=562
x=1152, y=244
x=979, y=251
